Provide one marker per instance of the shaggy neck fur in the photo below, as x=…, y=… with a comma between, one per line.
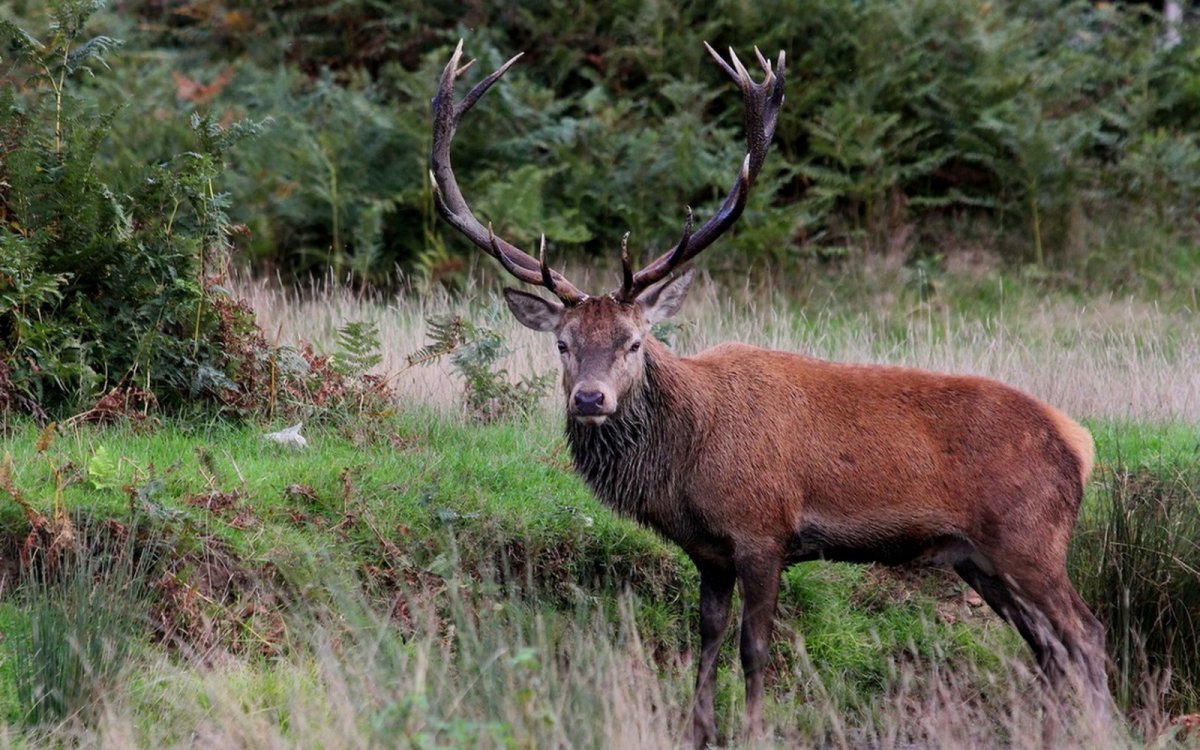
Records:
x=636, y=460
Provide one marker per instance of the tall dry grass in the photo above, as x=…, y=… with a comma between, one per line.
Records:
x=518, y=679
x=1106, y=358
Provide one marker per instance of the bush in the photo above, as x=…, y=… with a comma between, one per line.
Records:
x=111, y=272
x=102, y=288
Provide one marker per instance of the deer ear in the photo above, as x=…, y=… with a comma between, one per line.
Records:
x=662, y=301
x=533, y=311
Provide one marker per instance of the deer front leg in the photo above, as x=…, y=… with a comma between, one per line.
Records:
x=760, y=591
x=716, y=593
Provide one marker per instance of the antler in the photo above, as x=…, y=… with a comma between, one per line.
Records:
x=449, y=199
x=762, y=102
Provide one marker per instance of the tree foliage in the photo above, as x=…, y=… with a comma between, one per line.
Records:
x=1027, y=115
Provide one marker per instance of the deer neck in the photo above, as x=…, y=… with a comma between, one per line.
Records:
x=637, y=460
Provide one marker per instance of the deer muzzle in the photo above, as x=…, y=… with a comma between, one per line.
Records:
x=591, y=405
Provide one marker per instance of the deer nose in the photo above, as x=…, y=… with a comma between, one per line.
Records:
x=588, y=403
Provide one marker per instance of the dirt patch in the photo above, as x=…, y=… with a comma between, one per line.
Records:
x=884, y=587
x=210, y=605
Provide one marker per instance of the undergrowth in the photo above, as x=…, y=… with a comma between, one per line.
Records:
x=426, y=521
x=104, y=289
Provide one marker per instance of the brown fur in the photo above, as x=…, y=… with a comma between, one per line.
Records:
x=1078, y=439
x=752, y=460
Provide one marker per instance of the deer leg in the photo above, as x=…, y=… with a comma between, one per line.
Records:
x=716, y=593
x=994, y=591
x=1066, y=639
x=759, y=578
x=1094, y=658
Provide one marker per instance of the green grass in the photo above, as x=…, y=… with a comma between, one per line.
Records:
x=442, y=475
x=429, y=502
x=1135, y=445
x=13, y=624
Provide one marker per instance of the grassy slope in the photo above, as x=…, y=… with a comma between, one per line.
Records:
x=410, y=481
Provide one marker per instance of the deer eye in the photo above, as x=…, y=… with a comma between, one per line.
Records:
x=562, y=347
x=635, y=346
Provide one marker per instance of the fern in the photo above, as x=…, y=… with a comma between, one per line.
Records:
x=475, y=352
x=102, y=469
x=447, y=333
x=358, y=348
x=101, y=283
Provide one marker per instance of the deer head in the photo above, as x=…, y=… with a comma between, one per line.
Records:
x=602, y=339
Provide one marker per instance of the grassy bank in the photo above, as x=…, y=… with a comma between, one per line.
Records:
x=459, y=582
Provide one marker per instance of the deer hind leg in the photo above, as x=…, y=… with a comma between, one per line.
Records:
x=1066, y=639
x=716, y=594
x=759, y=578
x=1094, y=659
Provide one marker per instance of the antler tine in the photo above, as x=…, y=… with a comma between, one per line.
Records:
x=762, y=102
x=688, y=225
x=481, y=88
x=721, y=61
x=448, y=197
x=764, y=62
x=547, y=278
x=743, y=75
x=626, y=268
x=523, y=274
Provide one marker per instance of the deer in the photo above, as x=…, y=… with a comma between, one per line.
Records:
x=752, y=460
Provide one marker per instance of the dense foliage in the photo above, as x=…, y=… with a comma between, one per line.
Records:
x=1062, y=134
x=105, y=281
x=112, y=271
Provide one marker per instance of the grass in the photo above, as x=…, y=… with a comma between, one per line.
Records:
x=1137, y=557
x=453, y=498
x=1107, y=358
x=420, y=576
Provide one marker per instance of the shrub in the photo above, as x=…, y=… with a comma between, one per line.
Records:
x=111, y=273
x=101, y=288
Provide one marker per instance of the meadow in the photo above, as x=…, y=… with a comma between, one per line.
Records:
x=216, y=223
x=415, y=577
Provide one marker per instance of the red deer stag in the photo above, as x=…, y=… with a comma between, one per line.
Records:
x=752, y=460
